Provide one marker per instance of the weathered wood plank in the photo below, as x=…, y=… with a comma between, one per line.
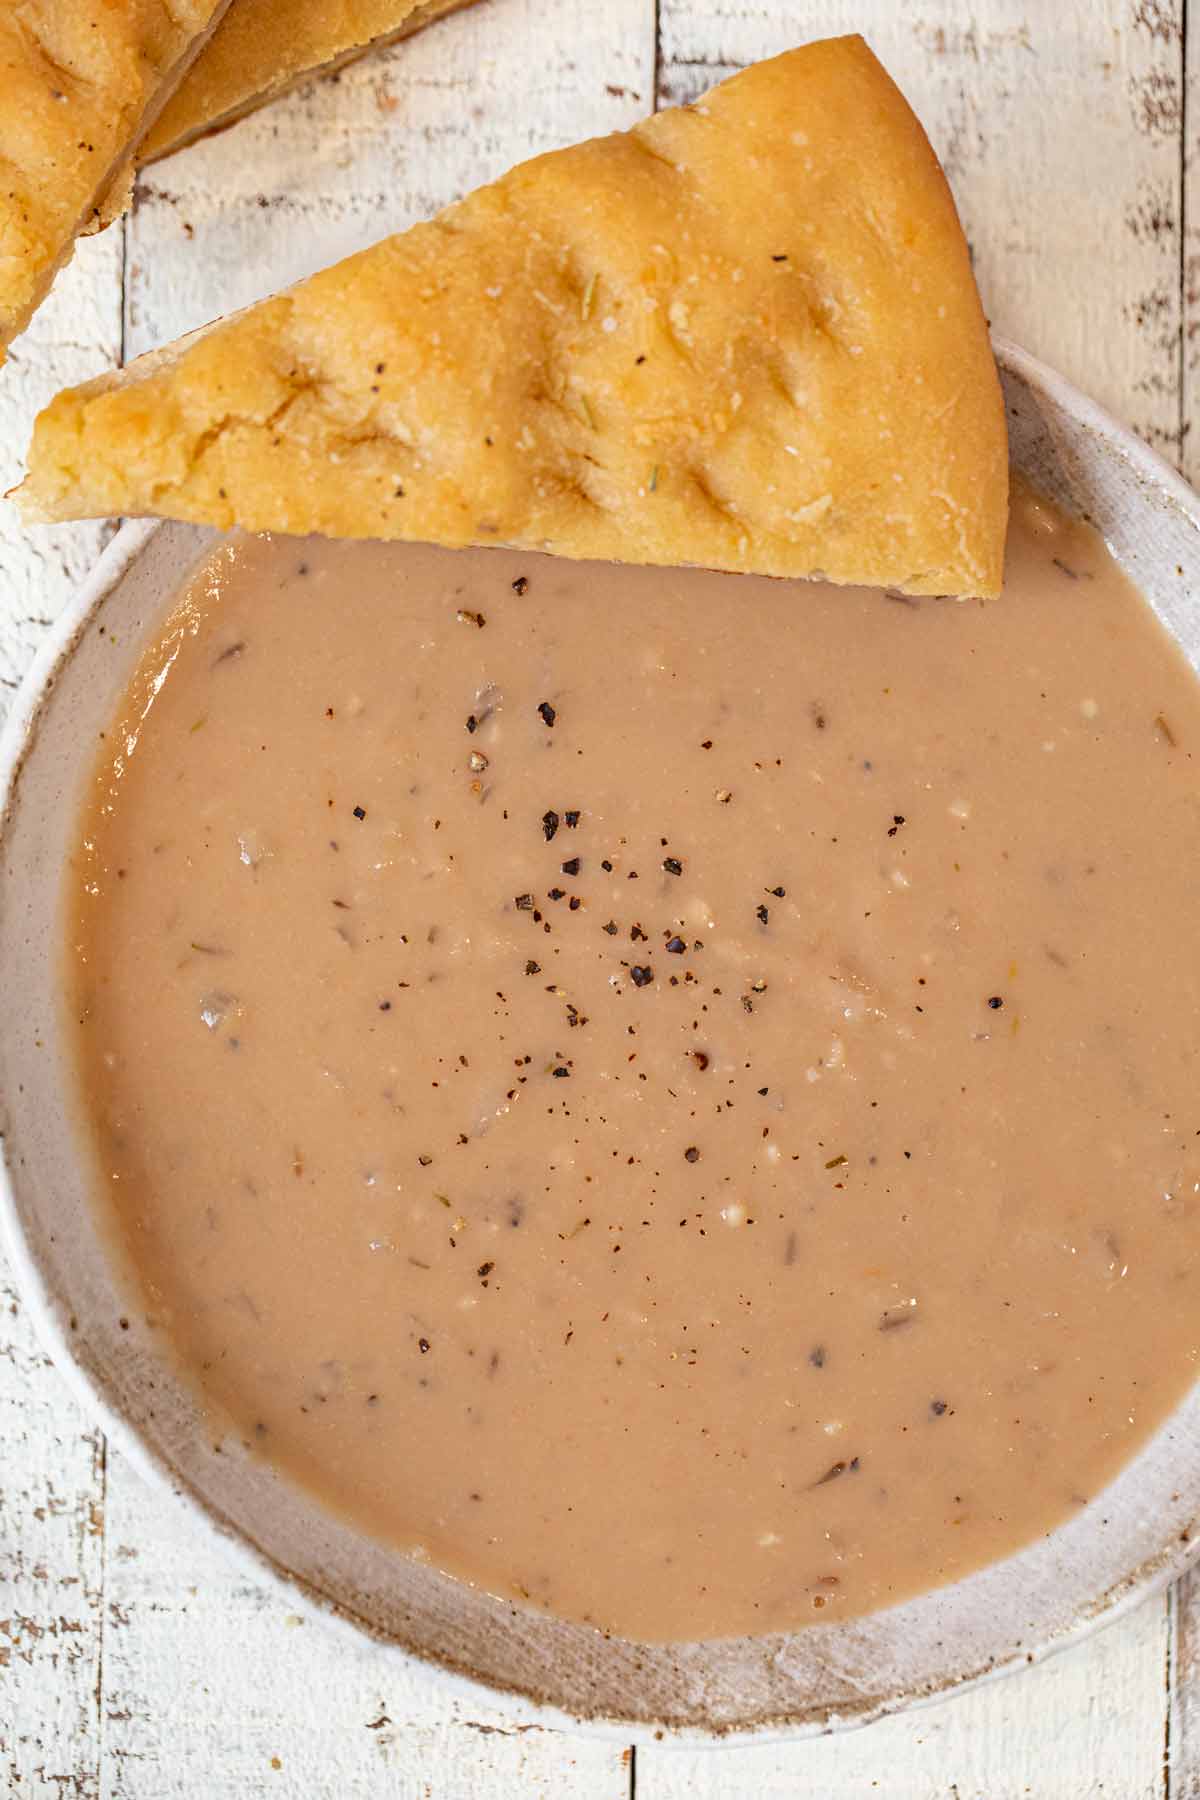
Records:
x=1059, y=130
x=1184, y=1723
x=52, y=1482
x=1190, y=152
x=328, y=170
x=1183, y=1691
x=1058, y=126
x=76, y=334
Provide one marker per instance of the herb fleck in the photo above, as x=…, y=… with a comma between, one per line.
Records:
x=836, y=1469
x=897, y=1316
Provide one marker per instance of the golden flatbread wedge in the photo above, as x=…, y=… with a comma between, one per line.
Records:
x=744, y=334
x=265, y=47
x=80, y=81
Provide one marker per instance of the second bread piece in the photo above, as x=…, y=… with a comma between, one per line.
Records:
x=265, y=47
x=80, y=81
x=744, y=334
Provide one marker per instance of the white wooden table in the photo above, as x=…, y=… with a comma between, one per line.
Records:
x=134, y=1664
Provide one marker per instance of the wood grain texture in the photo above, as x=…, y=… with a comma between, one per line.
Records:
x=1189, y=358
x=52, y=1496
x=52, y=1465
x=76, y=334
x=1183, y=1728
x=135, y=1664
x=210, y=1688
x=1026, y=107
x=332, y=168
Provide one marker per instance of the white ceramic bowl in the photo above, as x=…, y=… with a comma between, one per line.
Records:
x=1137, y=1535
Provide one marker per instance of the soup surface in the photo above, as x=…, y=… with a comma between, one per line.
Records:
x=674, y=1095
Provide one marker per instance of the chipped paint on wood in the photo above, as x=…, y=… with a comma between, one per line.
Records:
x=52, y=1483
x=52, y=1494
x=76, y=334
x=1190, y=347
x=209, y=1685
x=135, y=1664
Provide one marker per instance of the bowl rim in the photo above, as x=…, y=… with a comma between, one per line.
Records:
x=16, y=741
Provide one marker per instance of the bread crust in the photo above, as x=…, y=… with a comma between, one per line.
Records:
x=744, y=334
x=266, y=47
x=80, y=82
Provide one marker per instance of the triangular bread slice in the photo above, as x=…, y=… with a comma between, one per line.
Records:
x=80, y=83
x=265, y=47
x=744, y=334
